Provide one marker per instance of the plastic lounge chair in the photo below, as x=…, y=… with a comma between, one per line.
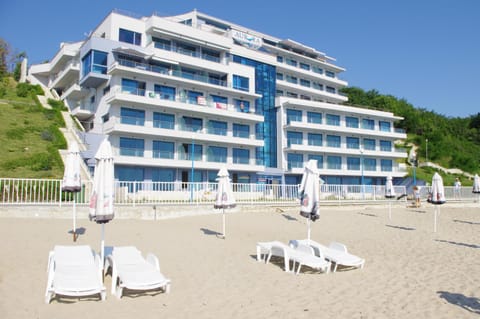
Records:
x=130, y=270
x=302, y=254
x=336, y=252
x=74, y=271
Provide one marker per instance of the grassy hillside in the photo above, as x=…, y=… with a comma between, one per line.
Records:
x=29, y=134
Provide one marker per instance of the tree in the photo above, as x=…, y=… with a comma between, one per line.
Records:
x=4, y=53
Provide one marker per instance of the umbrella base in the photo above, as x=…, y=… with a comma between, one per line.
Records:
x=312, y=217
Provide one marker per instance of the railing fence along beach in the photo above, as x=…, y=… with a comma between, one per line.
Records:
x=19, y=191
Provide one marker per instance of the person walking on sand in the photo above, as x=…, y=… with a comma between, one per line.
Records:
x=416, y=195
x=456, y=188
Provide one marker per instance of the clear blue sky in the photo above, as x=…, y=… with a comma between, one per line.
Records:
x=426, y=51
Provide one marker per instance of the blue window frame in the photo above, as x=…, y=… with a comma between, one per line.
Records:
x=368, y=124
x=314, y=117
x=353, y=163
x=294, y=115
x=217, y=154
x=369, y=164
x=133, y=87
x=351, y=121
x=334, y=162
x=259, y=156
x=319, y=159
x=333, y=141
x=280, y=76
x=384, y=126
x=318, y=70
x=291, y=79
x=386, y=146
x=330, y=74
x=315, y=139
x=317, y=86
x=132, y=116
x=94, y=61
x=163, y=149
x=166, y=92
x=305, y=66
x=241, y=130
x=353, y=142
x=186, y=150
x=369, y=144
x=386, y=165
x=128, y=36
x=241, y=83
x=164, y=120
x=220, y=102
x=294, y=160
x=330, y=89
x=291, y=62
x=162, y=43
x=192, y=124
x=165, y=175
x=241, y=105
x=305, y=83
x=294, y=138
x=192, y=97
x=280, y=58
x=333, y=119
x=217, y=127
x=241, y=156
x=131, y=146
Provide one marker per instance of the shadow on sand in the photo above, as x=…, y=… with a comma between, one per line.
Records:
x=457, y=243
x=400, y=227
x=471, y=304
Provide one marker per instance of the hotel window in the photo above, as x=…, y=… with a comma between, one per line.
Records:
x=351, y=121
x=162, y=44
x=305, y=97
x=186, y=49
x=291, y=79
x=317, y=70
x=279, y=58
x=333, y=119
x=220, y=102
x=241, y=156
x=280, y=76
x=217, y=79
x=333, y=141
x=314, y=117
x=217, y=154
x=369, y=144
x=163, y=175
x=291, y=94
x=133, y=87
x=294, y=138
x=165, y=92
x=294, y=160
x=217, y=128
x=163, y=149
x=259, y=156
x=131, y=146
x=210, y=55
x=330, y=89
x=192, y=124
x=240, y=83
x=164, y=120
x=319, y=159
x=386, y=146
x=305, y=66
x=368, y=124
x=318, y=86
x=193, y=97
x=334, y=162
x=353, y=142
x=259, y=135
x=291, y=62
x=294, y=115
x=185, y=152
x=241, y=130
x=315, y=139
x=132, y=116
x=384, y=126
x=128, y=36
x=330, y=74
x=279, y=93
x=369, y=164
x=241, y=105
x=95, y=62
x=353, y=163
x=386, y=165
x=305, y=83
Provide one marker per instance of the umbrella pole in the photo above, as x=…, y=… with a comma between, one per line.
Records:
x=308, y=229
x=74, y=220
x=223, y=223
x=102, y=247
x=435, y=220
x=390, y=209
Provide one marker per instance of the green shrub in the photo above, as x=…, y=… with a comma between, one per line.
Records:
x=57, y=105
x=26, y=89
x=41, y=162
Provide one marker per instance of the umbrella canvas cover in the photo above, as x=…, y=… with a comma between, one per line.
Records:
x=224, y=197
x=476, y=184
x=389, y=193
x=437, y=196
x=71, y=179
x=309, y=193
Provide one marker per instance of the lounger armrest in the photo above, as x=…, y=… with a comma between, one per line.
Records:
x=152, y=259
x=50, y=260
x=338, y=246
x=98, y=266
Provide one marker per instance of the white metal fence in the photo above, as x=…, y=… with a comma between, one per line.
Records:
x=16, y=191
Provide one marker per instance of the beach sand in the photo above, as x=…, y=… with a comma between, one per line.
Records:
x=410, y=271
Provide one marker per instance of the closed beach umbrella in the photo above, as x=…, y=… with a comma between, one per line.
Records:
x=476, y=186
x=103, y=192
x=224, y=198
x=309, y=193
x=437, y=196
x=71, y=179
x=389, y=193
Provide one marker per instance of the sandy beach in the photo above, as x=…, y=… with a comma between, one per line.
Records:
x=410, y=271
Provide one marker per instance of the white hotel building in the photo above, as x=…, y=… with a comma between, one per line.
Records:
x=181, y=96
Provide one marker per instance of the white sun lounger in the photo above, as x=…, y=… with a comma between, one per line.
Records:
x=74, y=271
x=302, y=254
x=336, y=252
x=130, y=270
